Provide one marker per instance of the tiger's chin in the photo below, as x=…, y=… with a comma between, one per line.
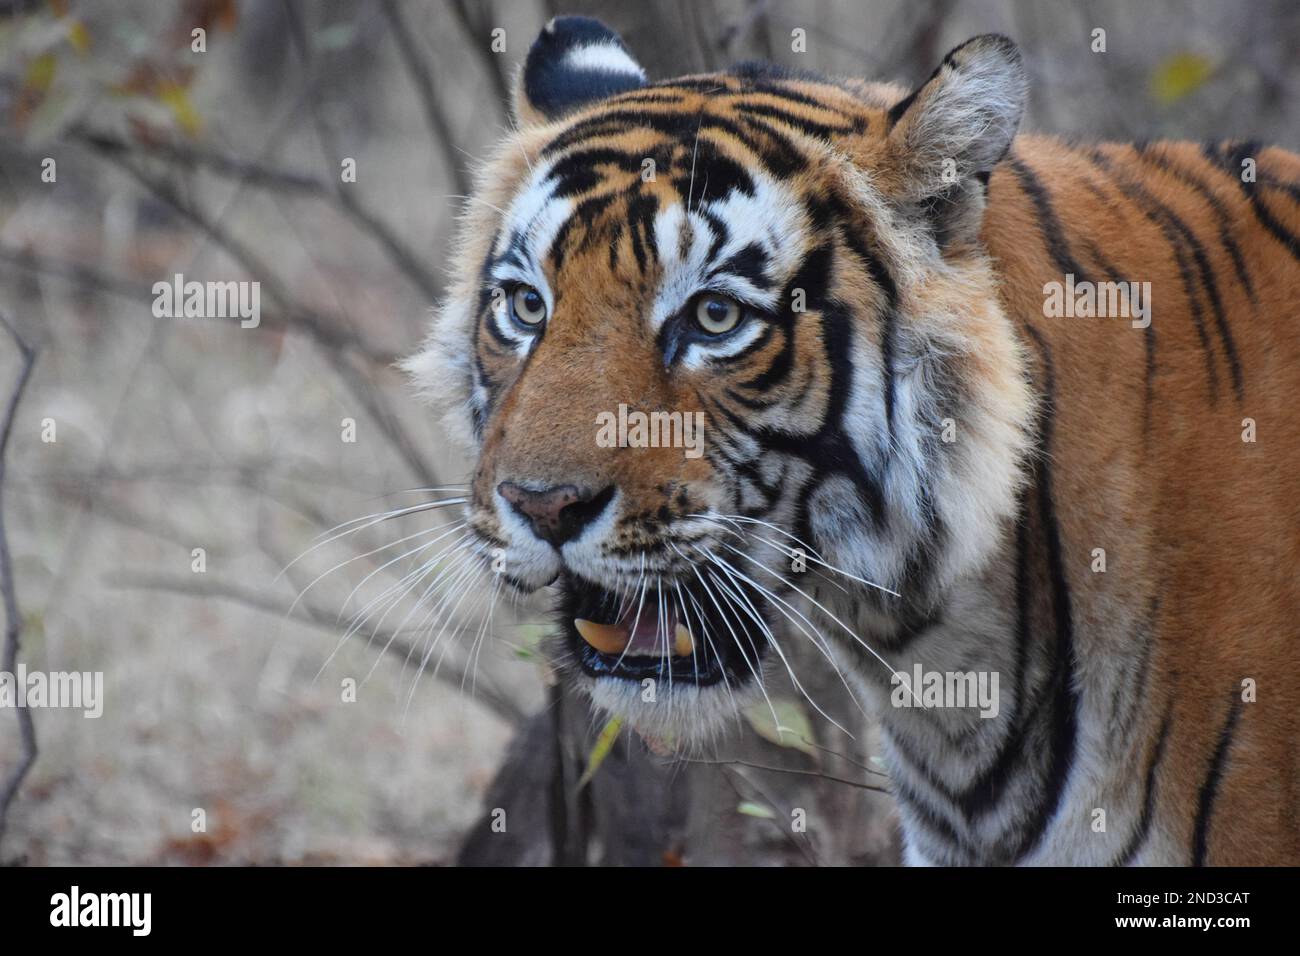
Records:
x=676, y=663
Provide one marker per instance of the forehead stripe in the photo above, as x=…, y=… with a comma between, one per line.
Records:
x=771, y=148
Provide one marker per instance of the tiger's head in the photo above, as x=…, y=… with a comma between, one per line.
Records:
x=732, y=361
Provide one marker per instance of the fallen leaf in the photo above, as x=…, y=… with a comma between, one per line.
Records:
x=790, y=728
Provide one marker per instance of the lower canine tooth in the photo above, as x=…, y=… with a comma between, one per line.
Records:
x=683, y=643
x=606, y=638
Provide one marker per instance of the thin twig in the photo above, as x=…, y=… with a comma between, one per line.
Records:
x=328, y=333
x=801, y=773
x=450, y=673
x=269, y=177
x=730, y=776
x=13, y=622
x=439, y=128
x=490, y=61
x=271, y=320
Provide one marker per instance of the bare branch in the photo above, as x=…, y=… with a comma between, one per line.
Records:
x=184, y=154
x=791, y=770
x=269, y=177
x=423, y=80
x=272, y=320
x=13, y=621
x=803, y=846
x=454, y=674
x=329, y=333
x=473, y=33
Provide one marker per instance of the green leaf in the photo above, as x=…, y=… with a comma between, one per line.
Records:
x=751, y=809
x=604, y=744
x=791, y=728
x=1180, y=75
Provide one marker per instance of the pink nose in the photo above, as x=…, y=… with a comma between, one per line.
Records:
x=556, y=514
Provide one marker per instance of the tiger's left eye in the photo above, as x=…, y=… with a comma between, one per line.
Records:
x=529, y=306
x=717, y=314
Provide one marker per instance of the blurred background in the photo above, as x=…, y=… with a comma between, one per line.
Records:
x=192, y=460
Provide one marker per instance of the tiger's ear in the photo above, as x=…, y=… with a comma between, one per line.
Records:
x=947, y=136
x=573, y=61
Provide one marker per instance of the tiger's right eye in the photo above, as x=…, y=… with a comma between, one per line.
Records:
x=528, y=305
x=717, y=314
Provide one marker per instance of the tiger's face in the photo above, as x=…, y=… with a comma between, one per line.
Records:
x=704, y=339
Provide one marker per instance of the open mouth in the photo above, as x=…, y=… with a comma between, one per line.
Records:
x=684, y=634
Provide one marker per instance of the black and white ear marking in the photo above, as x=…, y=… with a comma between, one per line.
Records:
x=946, y=137
x=573, y=61
x=961, y=121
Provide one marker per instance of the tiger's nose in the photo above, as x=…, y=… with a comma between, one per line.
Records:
x=556, y=514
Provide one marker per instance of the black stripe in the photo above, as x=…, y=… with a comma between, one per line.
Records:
x=778, y=370
x=829, y=451
x=750, y=263
x=1146, y=633
x=1023, y=623
x=1189, y=288
x=706, y=164
x=721, y=234
x=576, y=172
x=914, y=629
x=703, y=84
x=1281, y=185
x=760, y=81
x=928, y=817
x=986, y=792
x=778, y=154
x=786, y=159
x=1065, y=698
x=1210, y=788
x=1166, y=216
x=1221, y=211
x=1148, y=334
x=1231, y=161
x=725, y=361
x=806, y=126
x=1048, y=222
x=902, y=106
x=641, y=212
x=583, y=215
x=853, y=239
x=753, y=404
x=1143, y=827
x=653, y=95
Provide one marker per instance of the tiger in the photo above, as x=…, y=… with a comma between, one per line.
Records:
x=944, y=431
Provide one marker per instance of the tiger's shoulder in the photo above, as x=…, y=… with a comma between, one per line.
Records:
x=1155, y=286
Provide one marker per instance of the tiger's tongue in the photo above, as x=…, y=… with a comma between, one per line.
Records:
x=638, y=637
